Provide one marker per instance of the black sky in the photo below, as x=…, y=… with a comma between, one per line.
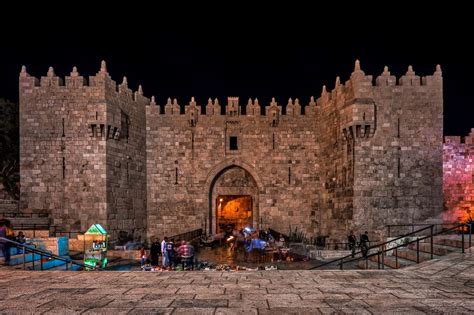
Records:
x=245, y=52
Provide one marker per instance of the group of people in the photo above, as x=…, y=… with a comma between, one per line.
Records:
x=171, y=254
x=363, y=243
x=250, y=238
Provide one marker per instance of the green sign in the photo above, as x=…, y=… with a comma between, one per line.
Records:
x=96, y=229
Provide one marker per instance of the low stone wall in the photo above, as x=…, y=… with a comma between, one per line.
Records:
x=76, y=245
x=398, y=242
x=328, y=254
x=56, y=245
x=124, y=254
x=34, y=234
x=81, y=242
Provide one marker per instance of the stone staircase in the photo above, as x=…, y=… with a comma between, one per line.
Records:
x=33, y=262
x=407, y=256
x=30, y=261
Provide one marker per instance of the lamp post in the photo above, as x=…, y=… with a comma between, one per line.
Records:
x=219, y=212
x=219, y=209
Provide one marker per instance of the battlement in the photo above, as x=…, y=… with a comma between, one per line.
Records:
x=358, y=86
x=30, y=84
x=361, y=85
x=460, y=140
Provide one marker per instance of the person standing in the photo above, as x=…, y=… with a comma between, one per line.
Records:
x=352, y=240
x=164, y=254
x=364, y=243
x=186, y=252
x=142, y=255
x=170, y=252
x=279, y=245
x=6, y=232
x=154, y=252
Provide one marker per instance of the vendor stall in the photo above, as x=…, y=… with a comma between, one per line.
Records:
x=96, y=241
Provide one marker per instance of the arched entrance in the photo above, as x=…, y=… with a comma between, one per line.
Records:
x=233, y=200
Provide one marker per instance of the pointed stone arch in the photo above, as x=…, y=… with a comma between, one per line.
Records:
x=216, y=174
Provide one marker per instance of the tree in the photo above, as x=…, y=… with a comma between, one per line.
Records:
x=9, y=148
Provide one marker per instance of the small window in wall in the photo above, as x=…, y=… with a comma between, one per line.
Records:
x=125, y=124
x=233, y=143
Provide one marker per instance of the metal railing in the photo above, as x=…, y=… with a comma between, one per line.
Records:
x=187, y=236
x=382, y=247
x=410, y=227
x=42, y=254
x=337, y=246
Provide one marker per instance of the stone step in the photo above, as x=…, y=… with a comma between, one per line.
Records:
x=438, y=250
x=453, y=242
x=394, y=263
x=63, y=267
x=47, y=264
x=362, y=264
x=410, y=254
x=18, y=259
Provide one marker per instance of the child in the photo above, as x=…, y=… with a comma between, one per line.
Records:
x=142, y=256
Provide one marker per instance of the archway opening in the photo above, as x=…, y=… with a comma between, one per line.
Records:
x=240, y=198
x=233, y=212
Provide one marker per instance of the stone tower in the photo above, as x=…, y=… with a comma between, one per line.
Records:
x=82, y=145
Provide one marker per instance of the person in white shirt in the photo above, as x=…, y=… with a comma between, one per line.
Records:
x=165, y=258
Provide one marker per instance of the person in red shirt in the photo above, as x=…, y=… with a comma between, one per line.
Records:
x=142, y=255
x=186, y=253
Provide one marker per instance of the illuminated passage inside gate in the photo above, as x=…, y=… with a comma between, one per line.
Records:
x=233, y=212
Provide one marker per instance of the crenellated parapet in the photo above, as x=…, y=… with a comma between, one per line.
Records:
x=172, y=108
x=293, y=109
x=253, y=108
x=76, y=93
x=96, y=86
x=355, y=101
x=234, y=109
x=460, y=140
x=75, y=80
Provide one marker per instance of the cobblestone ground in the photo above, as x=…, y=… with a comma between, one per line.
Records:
x=444, y=285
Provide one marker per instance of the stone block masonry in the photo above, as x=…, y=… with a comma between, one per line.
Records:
x=360, y=156
x=82, y=160
x=458, y=180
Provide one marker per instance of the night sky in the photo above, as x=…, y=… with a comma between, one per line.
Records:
x=246, y=53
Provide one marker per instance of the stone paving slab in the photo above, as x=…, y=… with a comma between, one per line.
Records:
x=441, y=286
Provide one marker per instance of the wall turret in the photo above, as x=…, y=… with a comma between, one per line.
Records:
x=232, y=109
x=193, y=111
x=273, y=113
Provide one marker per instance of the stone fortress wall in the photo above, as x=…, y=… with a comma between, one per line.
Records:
x=362, y=155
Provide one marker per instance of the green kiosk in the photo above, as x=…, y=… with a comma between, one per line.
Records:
x=96, y=241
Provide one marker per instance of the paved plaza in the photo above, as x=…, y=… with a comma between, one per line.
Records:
x=444, y=285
